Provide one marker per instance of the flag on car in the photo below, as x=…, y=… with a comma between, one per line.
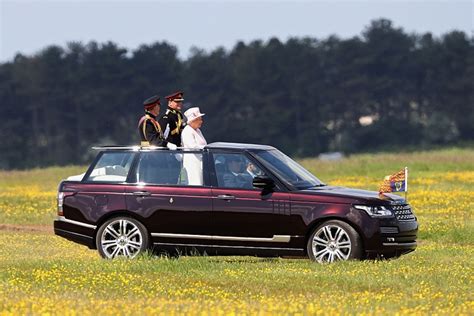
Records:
x=397, y=182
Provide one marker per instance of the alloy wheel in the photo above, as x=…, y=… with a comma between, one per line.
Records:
x=121, y=237
x=331, y=243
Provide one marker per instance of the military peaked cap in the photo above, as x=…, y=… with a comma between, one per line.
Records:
x=177, y=96
x=151, y=102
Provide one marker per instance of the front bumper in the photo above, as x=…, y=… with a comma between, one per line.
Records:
x=393, y=238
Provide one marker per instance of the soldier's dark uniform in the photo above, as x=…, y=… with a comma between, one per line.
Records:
x=148, y=127
x=172, y=122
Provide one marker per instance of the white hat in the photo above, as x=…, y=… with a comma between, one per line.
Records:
x=192, y=114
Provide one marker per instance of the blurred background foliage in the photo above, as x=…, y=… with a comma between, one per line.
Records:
x=384, y=89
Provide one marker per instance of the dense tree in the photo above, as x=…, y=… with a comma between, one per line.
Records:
x=385, y=88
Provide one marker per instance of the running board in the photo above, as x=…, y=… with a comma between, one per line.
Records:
x=226, y=247
x=275, y=238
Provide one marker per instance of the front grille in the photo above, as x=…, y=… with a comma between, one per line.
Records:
x=403, y=213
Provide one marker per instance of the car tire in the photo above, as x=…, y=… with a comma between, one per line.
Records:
x=334, y=240
x=121, y=236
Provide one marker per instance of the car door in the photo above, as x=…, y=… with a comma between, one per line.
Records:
x=161, y=194
x=241, y=211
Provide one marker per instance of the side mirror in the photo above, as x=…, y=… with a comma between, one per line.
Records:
x=263, y=182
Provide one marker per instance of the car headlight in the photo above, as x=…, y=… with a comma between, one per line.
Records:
x=375, y=211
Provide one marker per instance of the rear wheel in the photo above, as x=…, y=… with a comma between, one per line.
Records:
x=121, y=236
x=334, y=240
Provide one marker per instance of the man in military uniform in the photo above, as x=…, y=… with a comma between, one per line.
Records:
x=172, y=122
x=149, y=129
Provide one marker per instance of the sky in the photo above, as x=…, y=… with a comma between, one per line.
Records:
x=29, y=26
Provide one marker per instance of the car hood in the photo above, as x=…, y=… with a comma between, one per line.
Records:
x=357, y=194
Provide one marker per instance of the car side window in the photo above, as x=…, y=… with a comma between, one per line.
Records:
x=170, y=168
x=112, y=167
x=235, y=171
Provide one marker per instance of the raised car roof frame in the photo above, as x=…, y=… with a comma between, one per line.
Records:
x=215, y=145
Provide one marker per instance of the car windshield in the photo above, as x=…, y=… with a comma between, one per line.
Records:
x=288, y=170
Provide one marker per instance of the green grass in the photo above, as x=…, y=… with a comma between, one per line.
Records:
x=377, y=165
x=42, y=273
x=435, y=279
x=29, y=197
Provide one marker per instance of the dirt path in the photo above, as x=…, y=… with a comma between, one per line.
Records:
x=26, y=228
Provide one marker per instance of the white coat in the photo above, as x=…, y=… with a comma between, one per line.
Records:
x=192, y=163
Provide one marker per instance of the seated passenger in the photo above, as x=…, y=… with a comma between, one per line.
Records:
x=234, y=177
x=253, y=170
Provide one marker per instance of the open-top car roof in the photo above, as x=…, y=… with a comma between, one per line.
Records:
x=224, y=145
x=216, y=145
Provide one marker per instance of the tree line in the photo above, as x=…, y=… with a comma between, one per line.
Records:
x=385, y=88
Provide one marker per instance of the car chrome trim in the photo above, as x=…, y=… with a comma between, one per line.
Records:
x=406, y=244
x=143, y=148
x=224, y=246
x=70, y=221
x=275, y=238
x=72, y=233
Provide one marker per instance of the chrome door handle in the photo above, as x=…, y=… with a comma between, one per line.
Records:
x=141, y=193
x=226, y=197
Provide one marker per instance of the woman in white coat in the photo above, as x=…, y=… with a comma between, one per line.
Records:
x=192, y=138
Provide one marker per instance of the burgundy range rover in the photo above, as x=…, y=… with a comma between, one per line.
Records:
x=227, y=198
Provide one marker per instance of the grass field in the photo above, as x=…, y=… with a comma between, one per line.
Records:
x=44, y=274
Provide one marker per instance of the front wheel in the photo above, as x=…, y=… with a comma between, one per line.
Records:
x=334, y=240
x=121, y=236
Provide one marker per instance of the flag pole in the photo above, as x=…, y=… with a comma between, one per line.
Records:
x=406, y=184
